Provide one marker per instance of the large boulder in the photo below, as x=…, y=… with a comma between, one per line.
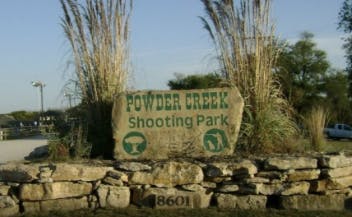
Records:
x=169, y=174
x=159, y=125
x=56, y=190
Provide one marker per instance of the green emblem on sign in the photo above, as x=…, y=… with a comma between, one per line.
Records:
x=215, y=140
x=134, y=143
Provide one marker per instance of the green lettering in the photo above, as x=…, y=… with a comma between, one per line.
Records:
x=209, y=121
x=205, y=100
x=189, y=122
x=200, y=119
x=167, y=121
x=188, y=101
x=213, y=98
x=179, y=122
x=132, y=123
x=159, y=102
x=168, y=105
x=148, y=102
x=223, y=103
x=149, y=123
x=224, y=120
x=140, y=122
x=196, y=103
x=129, y=99
x=177, y=105
x=216, y=118
x=159, y=122
x=137, y=103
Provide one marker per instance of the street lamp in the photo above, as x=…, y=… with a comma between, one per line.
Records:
x=41, y=85
x=69, y=96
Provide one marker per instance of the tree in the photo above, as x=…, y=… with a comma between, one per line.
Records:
x=181, y=82
x=337, y=101
x=345, y=24
x=25, y=115
x=302, y=68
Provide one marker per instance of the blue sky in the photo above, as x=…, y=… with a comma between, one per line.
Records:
x=166, y=38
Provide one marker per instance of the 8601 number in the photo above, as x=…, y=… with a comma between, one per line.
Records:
x=173, y=201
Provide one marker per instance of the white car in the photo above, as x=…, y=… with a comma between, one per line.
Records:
x=338, y=131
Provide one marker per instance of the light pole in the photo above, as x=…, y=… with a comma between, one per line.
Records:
x=41, y=85
x=69, y=96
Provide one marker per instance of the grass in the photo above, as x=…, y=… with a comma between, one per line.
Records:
x=147, y=212
x=243, y=34
x=315, y=121
x=337, y=146
x=329, y=146
x=98, y=35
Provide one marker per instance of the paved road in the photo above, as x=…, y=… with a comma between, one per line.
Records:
x=16, y=150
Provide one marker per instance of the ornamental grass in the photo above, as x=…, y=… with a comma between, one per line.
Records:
x=243, y=34
x=98, y=35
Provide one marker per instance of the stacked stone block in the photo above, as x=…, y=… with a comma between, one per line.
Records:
x=282, y=182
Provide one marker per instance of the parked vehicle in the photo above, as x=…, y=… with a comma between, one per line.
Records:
x=338, y=131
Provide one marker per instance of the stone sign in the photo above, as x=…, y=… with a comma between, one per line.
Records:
x=187, y=123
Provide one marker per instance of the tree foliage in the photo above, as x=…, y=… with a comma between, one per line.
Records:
x=336, y=97
x=345, y=24
x=308, y=81
x=302, y=68
x=182, y=82
x=25, y=115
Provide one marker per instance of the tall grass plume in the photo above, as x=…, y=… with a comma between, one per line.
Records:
x=243, y=34
x=98, y=34
x=315, y=122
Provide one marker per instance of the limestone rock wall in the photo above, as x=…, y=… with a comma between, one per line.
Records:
x=281, y=182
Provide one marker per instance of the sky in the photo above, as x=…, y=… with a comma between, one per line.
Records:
x=167, y=37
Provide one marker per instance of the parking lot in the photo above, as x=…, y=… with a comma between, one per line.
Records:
x=16, y=150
